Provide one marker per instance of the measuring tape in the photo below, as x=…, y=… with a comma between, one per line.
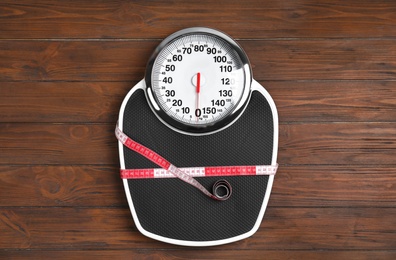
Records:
x=200, y=171
x=222, y=190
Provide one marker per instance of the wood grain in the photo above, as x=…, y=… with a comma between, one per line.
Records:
x=334, y=101
x=199, y=254
x=309, y=144
x=61, y=186
x=99, y=102
x=338, y=144
x=65, y=67
x=157, y=19
x=294, y=186
x=76, y=61
x=125, y=60
x=282, y=229
x=58, y=144
x=62, y=102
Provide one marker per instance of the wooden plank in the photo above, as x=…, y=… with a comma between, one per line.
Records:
x=74, y=61
x=55, y=186
x=294, y=186
x=310, y=144
x=126, y=60
x=58, y=144
x=282, y=229
x=334, y=186
x=339, y=101
x=156, y=19
x=94, y=102
x=322, y=59
x=337, y=144
x=201, y=253
x=66, y=66
x=62, y=102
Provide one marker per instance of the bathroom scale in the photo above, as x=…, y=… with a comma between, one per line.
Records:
x=198, y=142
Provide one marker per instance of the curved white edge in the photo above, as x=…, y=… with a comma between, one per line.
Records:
x=255, y=87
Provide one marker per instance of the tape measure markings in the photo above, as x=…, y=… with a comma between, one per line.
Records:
x=200, y=172
x=186, y=176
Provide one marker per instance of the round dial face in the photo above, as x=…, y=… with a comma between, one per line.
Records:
x=198, y=80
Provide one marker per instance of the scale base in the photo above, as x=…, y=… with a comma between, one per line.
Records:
x=169, y=210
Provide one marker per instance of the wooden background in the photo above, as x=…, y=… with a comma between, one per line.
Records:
x=65, y=67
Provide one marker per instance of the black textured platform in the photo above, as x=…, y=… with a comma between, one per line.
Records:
x=176, y=210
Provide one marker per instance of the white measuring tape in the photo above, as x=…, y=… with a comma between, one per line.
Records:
x=221, y=189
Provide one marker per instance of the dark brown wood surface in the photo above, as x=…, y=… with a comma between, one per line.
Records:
x=65, y=67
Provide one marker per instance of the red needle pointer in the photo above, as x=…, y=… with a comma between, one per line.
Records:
x=198, y=89
x=198, y=82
